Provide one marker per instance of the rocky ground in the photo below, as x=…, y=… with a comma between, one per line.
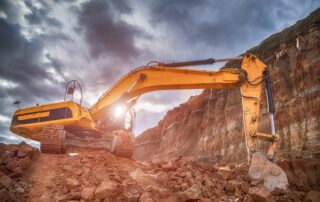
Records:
x=97, y=175
x=14, y=162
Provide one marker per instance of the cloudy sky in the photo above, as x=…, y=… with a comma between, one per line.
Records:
x=44, y=44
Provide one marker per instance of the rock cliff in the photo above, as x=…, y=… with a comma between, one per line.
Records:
x=209, y=126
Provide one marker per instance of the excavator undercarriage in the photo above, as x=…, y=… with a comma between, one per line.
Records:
x=56, y=140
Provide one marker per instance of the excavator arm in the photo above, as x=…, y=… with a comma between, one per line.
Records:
x=248, y=79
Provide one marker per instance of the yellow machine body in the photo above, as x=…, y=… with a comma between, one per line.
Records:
x=28, y=122
x=52, y=123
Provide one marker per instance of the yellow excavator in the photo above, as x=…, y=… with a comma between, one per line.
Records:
x=68, y=123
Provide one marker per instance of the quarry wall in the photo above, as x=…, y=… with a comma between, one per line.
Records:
x=209, y=126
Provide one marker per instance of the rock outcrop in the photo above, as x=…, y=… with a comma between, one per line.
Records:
x=209, y=126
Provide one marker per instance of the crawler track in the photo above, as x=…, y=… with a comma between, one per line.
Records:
x=123, y=144
x=53, y=139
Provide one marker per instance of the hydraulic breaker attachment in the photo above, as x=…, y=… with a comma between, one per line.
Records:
x=261, y=169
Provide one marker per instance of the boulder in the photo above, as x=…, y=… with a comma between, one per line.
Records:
x=261, y=194
x=162, y=177
x=230, y=188
x=245, y=186
x=312, y=196
x=75, y=194
x=193, y=193
x=226, y=173
x=87, y=193
x=6, y=196
x=72, y=183
x=262, y=170
x=184, y=186
x=146, y=197
x=19, y=190
x=24, y=150
x=248, y=198
x=106, y=189
x=132, y=195
x=5, y=181
x=77, y=171
x=12, y=150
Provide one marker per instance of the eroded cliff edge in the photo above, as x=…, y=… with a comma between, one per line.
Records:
x=209, y=126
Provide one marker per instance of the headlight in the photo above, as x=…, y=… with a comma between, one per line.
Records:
x=119, y=111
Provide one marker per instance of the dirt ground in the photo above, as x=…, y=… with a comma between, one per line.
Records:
x=97, y=175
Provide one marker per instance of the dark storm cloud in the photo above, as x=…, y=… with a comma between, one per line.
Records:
x=91, y=42
x=40, y=15
x=224, y=24
x=105, y=32
x=20, y=61
x=4, y=5
x=17, y=55
x=21, y=66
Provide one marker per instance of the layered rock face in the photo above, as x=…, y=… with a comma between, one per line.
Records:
x=209, y=126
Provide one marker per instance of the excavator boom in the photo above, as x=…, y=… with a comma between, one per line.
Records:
x=147, y=79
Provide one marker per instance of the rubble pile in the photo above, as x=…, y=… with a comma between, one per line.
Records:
x=97, y=175
x=14, y=161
